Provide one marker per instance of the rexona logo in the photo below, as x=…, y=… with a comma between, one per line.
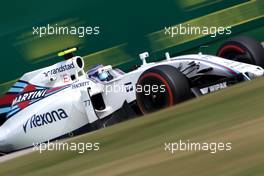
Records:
x=38, y=120
x=29, y=96
x=60, y=69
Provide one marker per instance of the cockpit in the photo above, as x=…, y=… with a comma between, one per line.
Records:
x=103, y=73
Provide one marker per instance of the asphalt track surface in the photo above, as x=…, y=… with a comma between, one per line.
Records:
x=136, y=147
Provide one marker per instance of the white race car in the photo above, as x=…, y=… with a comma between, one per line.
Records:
x=63, y=100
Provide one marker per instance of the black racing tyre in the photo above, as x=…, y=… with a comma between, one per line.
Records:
x=160, y=87
x=243, y=49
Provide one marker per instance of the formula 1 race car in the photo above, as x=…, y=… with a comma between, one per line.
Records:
x=63, y=99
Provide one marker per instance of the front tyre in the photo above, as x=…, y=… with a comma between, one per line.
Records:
x=160, y=87
x=243, y=49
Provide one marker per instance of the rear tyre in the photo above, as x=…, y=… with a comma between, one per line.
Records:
x=243, y=49
x=160, y=87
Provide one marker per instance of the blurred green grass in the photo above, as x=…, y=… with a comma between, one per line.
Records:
x=30, y=52
x=245, y=17
x=136, y=147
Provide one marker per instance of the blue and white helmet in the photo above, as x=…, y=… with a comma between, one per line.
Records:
x=102, y=76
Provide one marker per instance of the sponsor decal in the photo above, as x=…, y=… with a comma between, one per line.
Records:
x=23, y=94
x=38, y=120
x=60, y=69
x=29, y=96
x=81, y=84
x=213, y=88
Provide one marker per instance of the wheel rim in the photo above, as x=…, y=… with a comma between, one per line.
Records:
x=152, y=101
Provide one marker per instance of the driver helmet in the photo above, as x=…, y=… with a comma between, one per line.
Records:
x=102, y=76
